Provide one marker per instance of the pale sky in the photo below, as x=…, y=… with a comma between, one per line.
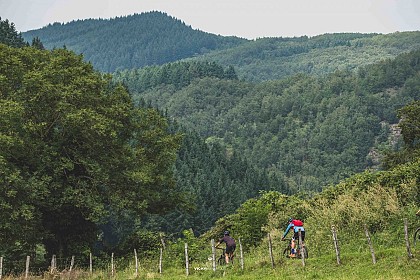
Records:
x=242, y=18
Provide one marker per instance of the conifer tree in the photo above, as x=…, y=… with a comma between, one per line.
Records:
x=9, y=36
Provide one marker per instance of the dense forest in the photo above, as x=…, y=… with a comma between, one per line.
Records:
x=152, y=38
x=376, y=200
x=156, y=38
x=276, y=58
x=77, y=142
x=93, y=162
x=310, y=131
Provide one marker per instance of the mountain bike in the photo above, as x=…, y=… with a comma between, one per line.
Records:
x=298, y=247
x=222, y=260
x=417, y=232
x=416, y=235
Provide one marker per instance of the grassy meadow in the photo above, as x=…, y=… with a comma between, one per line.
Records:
x=356, y=263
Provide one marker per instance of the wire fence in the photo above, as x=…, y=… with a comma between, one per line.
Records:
x=33, y=265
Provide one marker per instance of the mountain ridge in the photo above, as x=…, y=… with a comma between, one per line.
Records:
x=155, y=38
x=133, y=41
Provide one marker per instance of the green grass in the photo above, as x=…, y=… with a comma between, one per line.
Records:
x=356, y=263
x=391, y=264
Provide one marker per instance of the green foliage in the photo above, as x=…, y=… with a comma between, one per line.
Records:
x=75, y=150
x=379, y=200
x=214, y=183
x=9, y=36
x=178, y=74
x=410, y=130
x=155, y=38
x=198, y=250
x=145, y=242
x=276, y=58
x=410, y=124
x=129, y=42
x=249, y=220
x=307, y=132
x=36, y=43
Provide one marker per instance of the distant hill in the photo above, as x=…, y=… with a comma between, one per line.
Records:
x=134, y=41
x=311, y=130
x=276, y=58
x=155, y=38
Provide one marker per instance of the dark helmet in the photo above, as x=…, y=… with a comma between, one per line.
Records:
x=290, y=220
x=226, y=232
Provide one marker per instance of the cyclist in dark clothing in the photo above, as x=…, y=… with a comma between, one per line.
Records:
x=230, y=245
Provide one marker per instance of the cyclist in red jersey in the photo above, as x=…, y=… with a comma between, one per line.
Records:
x=296, y=225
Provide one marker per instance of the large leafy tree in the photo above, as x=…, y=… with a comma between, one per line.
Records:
x=75, y=150
x=410, y=124
x=410, y=131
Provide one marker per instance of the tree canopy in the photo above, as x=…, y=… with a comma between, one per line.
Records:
x=9, y=35
x=311, y=130
x=75, y=150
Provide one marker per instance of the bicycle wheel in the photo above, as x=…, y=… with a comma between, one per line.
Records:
x=305, y=252
x=299, y=252
x=221, y=260
x=286, y=251
x=416, y=235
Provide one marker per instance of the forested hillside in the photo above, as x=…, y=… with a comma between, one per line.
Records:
x=311, y=131
x=83, y=149
x=216, y=182
x=378, y=200
x=155, y=38
x=128, y=42
x=91, y=162
x=276, y=58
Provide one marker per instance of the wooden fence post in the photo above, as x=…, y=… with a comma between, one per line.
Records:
x=186, y=259
x=372, y=252
x=136, y=260
x=301, y=249
x=28, y=259
x=242, y=254
x=270, y=249
x=407, y=242
x=213, y=255
x=1, y=267
x=160, y=260
x=71, y=263
x=162, y=241
x=53, y=263
x=112, y=265
x=90, y=263
x=337, y=249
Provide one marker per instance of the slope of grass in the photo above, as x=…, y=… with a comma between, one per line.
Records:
x=391, y=263
x=356, y=263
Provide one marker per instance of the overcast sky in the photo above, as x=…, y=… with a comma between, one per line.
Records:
x=242, y=18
